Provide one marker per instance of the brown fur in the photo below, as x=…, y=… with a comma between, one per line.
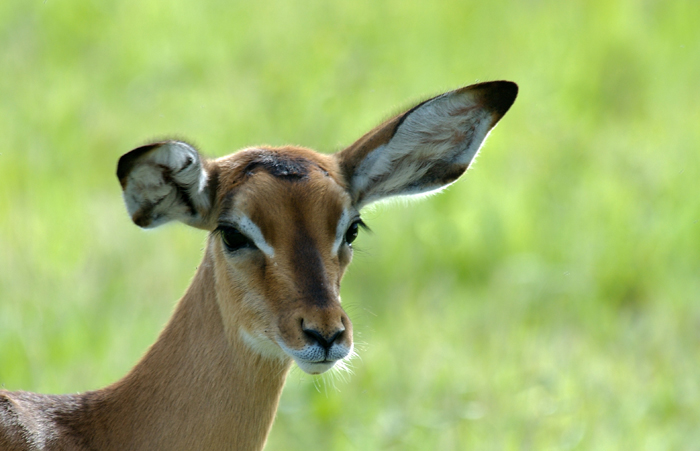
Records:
x=204, y=384
x=200, y=386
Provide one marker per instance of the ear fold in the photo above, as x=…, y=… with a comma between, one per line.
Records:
x=426, y=148
x=165, y=181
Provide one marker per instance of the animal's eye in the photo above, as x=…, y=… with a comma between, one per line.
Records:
x=233, y=239
x=351, y=234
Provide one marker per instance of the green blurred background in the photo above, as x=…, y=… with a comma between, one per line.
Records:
x=549, y=300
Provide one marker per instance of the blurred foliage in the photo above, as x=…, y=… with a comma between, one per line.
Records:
x=547, y=301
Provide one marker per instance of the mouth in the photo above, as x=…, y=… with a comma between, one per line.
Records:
x=316, y=359
x=315, y=367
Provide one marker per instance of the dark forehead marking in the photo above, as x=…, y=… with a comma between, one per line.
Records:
x=287, y=167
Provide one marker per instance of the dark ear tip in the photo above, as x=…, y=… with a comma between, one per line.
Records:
x=129, y=159
x=498, y=96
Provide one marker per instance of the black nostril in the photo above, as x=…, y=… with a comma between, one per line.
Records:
x=325, y=342
x=337, y=334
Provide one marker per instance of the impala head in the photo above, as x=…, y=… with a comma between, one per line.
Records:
x=282, y=220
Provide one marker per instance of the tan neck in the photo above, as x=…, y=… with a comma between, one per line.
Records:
x=194, y=389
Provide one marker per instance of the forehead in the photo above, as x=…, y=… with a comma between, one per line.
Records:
x=282, y=185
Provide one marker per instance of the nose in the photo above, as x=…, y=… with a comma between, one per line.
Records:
x=326, y=341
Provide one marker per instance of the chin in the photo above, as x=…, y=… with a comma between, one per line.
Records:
x=315, y=367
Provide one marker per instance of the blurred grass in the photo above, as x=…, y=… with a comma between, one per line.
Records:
x=547, y=301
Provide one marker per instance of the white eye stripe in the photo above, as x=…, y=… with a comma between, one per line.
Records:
x=247, y=227
x=346, y=218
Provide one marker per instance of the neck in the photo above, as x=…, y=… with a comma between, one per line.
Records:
x=196, y=388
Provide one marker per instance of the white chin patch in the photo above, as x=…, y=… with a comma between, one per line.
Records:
x=262, y=345
x=315, y=368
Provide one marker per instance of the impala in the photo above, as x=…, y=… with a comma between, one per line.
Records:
x=281, y=224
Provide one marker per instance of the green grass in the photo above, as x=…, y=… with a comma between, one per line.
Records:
x=550, y=300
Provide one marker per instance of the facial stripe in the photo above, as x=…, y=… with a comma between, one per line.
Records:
x=311, y=277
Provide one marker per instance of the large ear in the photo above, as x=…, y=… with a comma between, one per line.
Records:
x=426, y=148
x=165, y=181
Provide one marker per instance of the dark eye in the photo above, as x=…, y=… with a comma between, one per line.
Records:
x=351, y=234
x=233, y=239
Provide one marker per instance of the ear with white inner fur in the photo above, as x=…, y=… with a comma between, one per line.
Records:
x=426, y=148
x=165, y=181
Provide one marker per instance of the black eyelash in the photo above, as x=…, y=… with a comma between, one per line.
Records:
x=363, y=226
